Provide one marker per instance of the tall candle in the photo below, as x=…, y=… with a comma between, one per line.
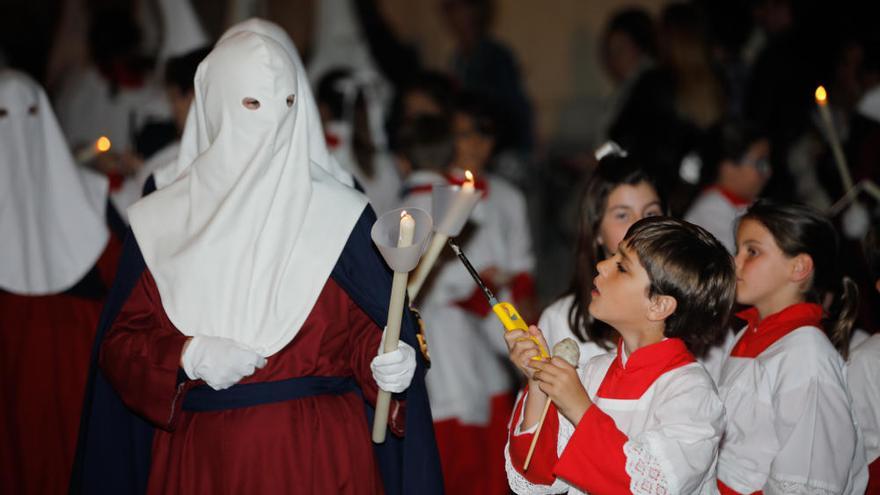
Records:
x=102, y=145
x=392, y=330
x=833, y=140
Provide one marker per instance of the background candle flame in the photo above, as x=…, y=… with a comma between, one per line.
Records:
x=821, y=95
x=102, y=144
x=468, y=176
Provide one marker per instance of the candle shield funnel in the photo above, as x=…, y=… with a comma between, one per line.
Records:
x=386, y=230
x=452, y=208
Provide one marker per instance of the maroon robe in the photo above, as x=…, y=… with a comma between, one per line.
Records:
x=45, y=345
x=318, y=444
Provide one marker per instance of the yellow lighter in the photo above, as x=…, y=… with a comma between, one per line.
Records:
x=505, y=311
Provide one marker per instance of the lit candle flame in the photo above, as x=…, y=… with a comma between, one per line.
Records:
x=469, y=176
x=821, y=95
x=102, y=144
x=403, y=213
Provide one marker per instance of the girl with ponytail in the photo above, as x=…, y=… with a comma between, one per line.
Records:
x=790, y=426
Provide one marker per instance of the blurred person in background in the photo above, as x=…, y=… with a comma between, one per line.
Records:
x=59, y=260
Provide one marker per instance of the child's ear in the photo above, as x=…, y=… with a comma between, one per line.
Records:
x=661, y=307
x=801, y=268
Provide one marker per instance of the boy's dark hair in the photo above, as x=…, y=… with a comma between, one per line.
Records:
x=613, y=171
x=730, y=139
x=636, y=23
x=181, y=70
x=427, y=143
x=688, y=263
x=799, y=229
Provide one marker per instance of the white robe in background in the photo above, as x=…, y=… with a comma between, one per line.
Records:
x=87, y=110
x=716, y=212
x=863, y=375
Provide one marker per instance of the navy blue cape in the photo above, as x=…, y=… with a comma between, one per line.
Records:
x=114, y=445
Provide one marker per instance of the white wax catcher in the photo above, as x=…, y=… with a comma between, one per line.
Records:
x=453, y=205
x=386, y=232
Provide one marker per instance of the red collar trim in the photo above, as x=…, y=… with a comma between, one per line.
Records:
x=761, y=334
x=642, y=369
x=480, y=184
x=732, y=198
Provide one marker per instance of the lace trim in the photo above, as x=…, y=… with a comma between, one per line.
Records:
x=646, y=474
x=787, y=487
x=522, y=486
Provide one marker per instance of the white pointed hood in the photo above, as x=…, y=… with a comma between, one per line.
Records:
x=52, y=227
x=192, y=143
x=241, y=244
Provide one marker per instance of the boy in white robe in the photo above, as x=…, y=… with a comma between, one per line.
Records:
x=645, y=419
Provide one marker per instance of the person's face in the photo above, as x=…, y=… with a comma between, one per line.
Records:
x=748, y=177
x=762, y=269
x=620, y=290
x=417, y=103
x=461, y=19
x=621, y=56
x=626, y=205
x=472, y=149
x=180, y=103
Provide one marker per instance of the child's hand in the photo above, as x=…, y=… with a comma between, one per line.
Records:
x=522, y=348
x=560, y=381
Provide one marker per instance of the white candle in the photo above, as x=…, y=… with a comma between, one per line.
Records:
x=102, y=145
x=461, y=208
x=833, y=140
x=392, y=331
x=468, y=185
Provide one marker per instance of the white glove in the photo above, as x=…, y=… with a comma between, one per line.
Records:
x=393, y=371
x=219, y=361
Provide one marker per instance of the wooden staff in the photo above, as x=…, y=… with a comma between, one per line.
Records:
x=392, y=330
x=568, y=350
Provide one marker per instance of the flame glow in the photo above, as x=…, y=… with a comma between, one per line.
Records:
x=468, y=176
x=102, y=144
x=821, y=95
x=403, y=213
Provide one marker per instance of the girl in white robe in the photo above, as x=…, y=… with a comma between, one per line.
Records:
x=618, y=194
x=790, y=427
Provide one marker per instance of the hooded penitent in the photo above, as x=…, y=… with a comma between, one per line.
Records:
x=255, y=201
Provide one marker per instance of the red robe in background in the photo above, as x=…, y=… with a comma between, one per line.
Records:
x=318, y=444
x=45, y=345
